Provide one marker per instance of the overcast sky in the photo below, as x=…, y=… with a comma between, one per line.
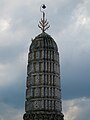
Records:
x=70, y=27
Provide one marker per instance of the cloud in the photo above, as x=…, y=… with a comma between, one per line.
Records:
x=77, y=109
x=4, y=24
x=81, y=16
x=74, y=47
x=10, y=71
x=12, y=82
x=11, y=113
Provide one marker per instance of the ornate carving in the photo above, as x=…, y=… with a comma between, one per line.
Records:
x=42, y=116
x=43, y=24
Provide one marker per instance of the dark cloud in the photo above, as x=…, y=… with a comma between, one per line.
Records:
x=10, y=53
x=75, y=66
x=14, y=95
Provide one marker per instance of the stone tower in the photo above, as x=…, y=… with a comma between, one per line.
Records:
x=43, y=92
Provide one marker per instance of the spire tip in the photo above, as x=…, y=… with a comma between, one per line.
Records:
x=43, y=24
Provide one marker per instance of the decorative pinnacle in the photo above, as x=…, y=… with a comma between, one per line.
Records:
x=43, y=24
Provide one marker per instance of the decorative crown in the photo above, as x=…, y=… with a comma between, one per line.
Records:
x=43, y=24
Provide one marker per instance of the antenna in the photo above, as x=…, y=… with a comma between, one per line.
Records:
x=43, y=24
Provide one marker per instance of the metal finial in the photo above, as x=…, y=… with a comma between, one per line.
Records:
x=43, y=24
x=43, y=6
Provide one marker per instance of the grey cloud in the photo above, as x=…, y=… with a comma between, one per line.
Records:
x=10, y=53
x=77, y=109
x=74, y=47
x=7, y=111
x=61, y=13
x=14, y=94
x=75, y=66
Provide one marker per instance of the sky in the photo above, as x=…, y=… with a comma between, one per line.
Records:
x=70, y=27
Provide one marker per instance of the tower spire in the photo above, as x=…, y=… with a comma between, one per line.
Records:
x=43, y=24
x=43, y=89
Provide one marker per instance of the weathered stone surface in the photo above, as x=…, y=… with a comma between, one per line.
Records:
x=43, y=92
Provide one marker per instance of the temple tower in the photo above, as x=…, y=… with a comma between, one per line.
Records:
x=43, y=89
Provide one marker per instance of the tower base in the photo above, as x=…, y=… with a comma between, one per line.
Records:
x=43, y=116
